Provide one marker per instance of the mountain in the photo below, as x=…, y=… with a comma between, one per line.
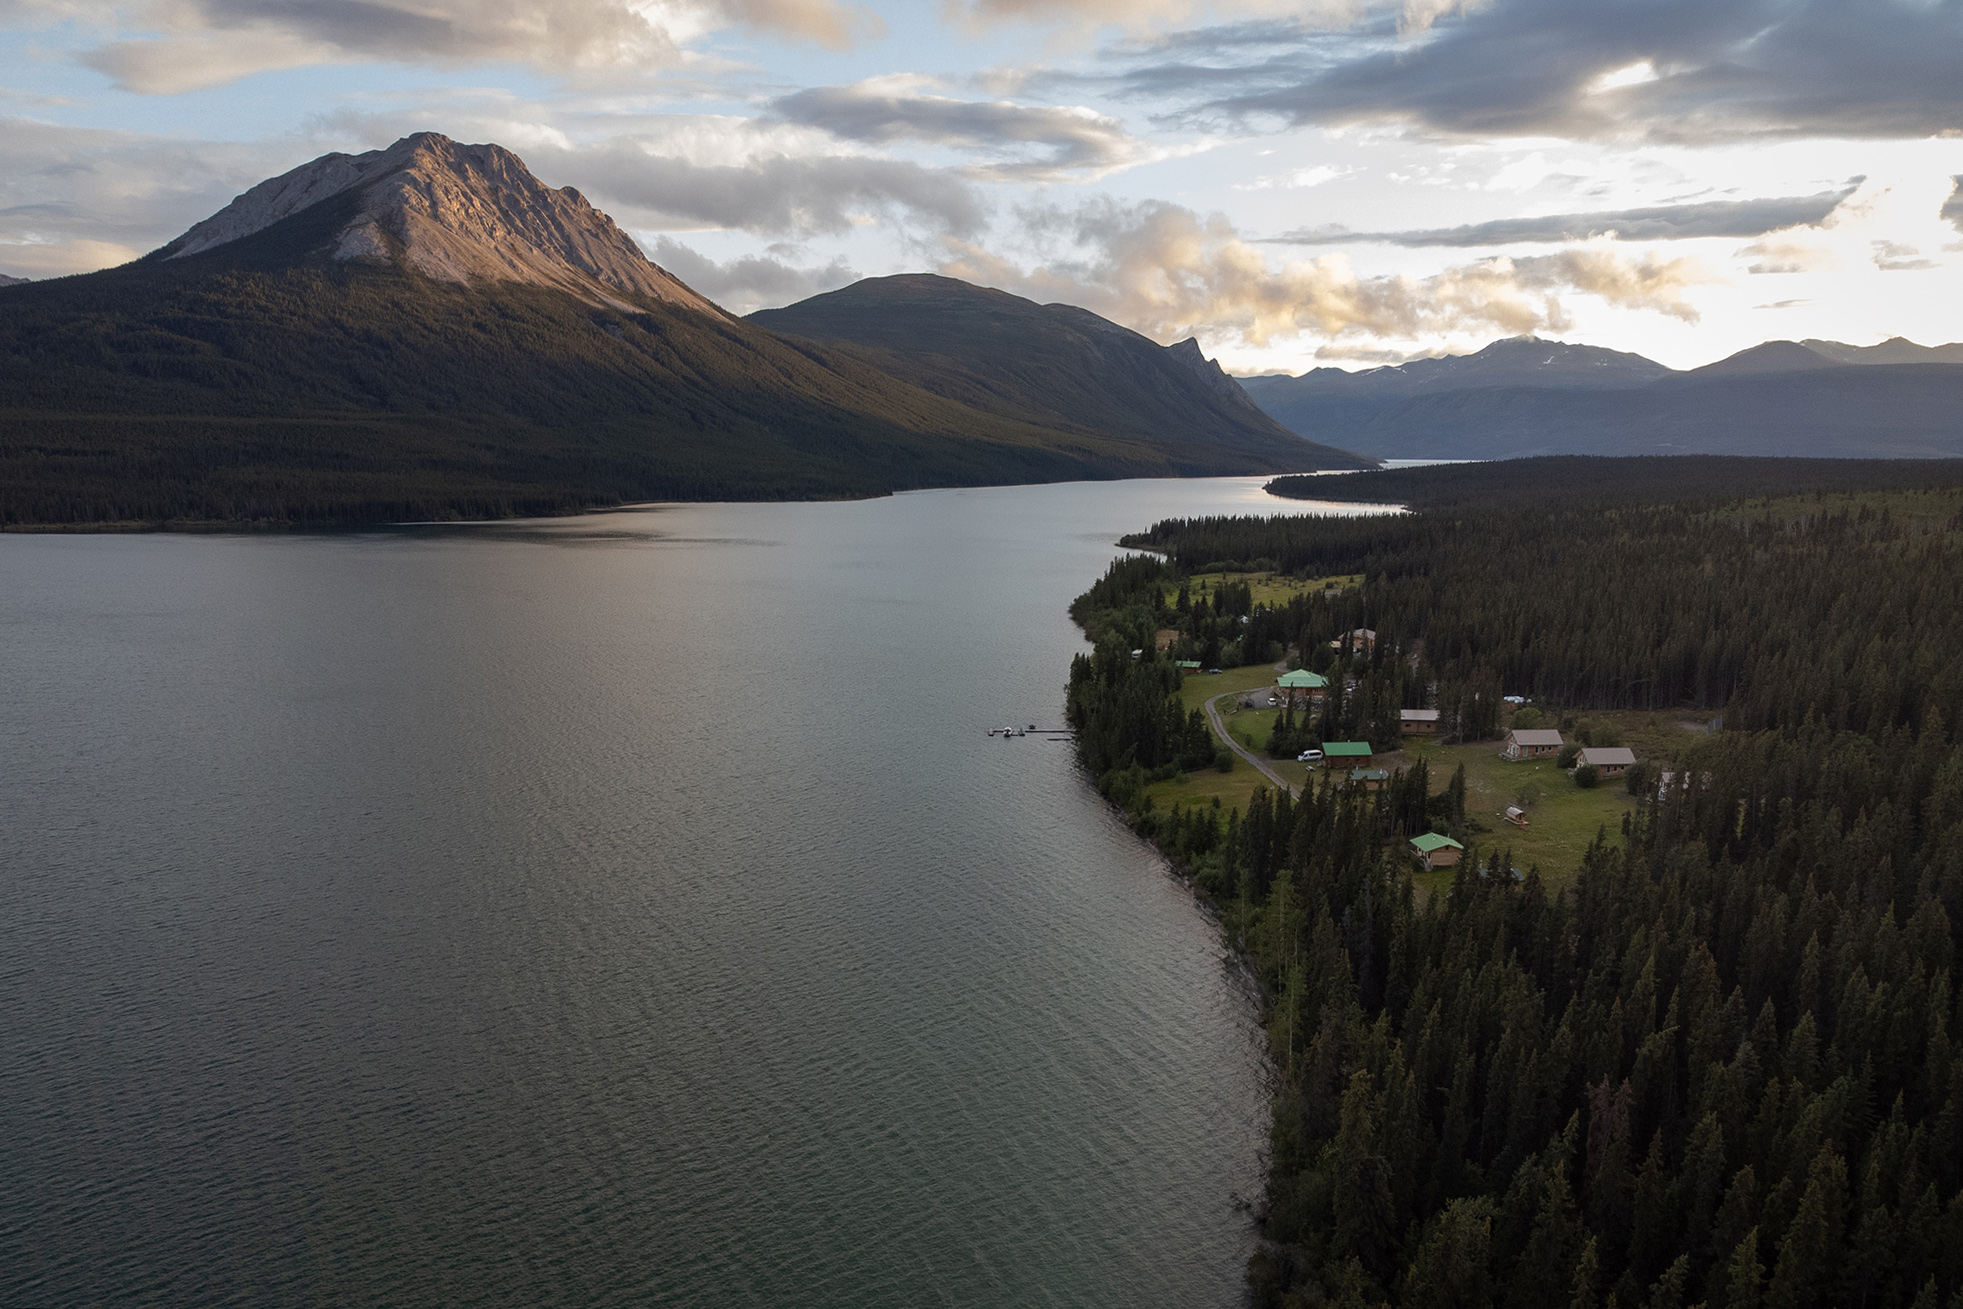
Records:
x=1895, y=350
x=455, y=213
x=1516, y=361
x=1813, y=398
x=1051, y=365
x=429, y=331
x=11, y=281
x=1769, y=357
x=1327, y=404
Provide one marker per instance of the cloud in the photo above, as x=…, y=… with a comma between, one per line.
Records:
x=1151, y=15
x=1167, y=272
x=1952, y=210
x=204, y=43
x=1655, y=69
x=1730, y=218
x=1788, y=252
x=693, y=171
x=750, y=282
x=77, y=199
x=1899, y=257
x=771, y=194
x=1070, y=140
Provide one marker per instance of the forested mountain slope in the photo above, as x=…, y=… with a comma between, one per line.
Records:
x=1049, y=364
x=429, y=331
x=1720, y=1065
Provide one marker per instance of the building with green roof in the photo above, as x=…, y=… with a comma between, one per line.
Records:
x=1346, y=750
x=1301, y=682
x=1436, y=851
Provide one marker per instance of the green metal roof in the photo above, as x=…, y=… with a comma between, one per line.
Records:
x=1369, y=774
x=1302, y=679
x=1431, y=841
x=1346, y=750
x=1187, y=663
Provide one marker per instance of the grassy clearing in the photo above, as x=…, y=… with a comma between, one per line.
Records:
x=1914, y=508
x=1563, y=817
x=1275, y=589
x=1199, y=687
x=1250, y=727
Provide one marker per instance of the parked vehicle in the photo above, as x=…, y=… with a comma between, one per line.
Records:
x=1309, y=757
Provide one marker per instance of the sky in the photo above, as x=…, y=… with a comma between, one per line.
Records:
x=1334, y=183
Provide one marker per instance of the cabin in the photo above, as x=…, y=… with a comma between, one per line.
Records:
x=1301, y=684
x=1370, y=779
x=1419, y=722
x=1362, y=640
x=1532, y=743
x=1517, y=816
x=1357, y=752
x=1608, y=760
x=1187, y=665
x=1435, y=851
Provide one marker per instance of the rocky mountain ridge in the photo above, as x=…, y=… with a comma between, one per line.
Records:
x=455, y=213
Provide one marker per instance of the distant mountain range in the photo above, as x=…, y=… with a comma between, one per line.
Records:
x=1525, y=396
x=430, y=331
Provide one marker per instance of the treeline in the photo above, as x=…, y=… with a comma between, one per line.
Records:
x=1830, y=607
x=1129, y=606
x=1598, y=480
x=1720, y=1066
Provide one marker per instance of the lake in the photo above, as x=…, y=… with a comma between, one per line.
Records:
x=627, y=909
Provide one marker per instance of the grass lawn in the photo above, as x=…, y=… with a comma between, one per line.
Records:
x=1251, y=727
x=1563, y=818
x=1204, y=686
x=1275, y=589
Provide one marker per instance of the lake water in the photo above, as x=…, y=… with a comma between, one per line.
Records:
x=618, y=910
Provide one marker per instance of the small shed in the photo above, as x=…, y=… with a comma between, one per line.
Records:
x=1532, y=743
x=1419, y=722
x=1354, y=750
x=1608, y=760
x=1436, y=851
x=1517, y=816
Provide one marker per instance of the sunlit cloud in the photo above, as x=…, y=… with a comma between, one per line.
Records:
x=1168, y=272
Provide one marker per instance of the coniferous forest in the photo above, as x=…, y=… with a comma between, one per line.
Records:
x=1717, y=1063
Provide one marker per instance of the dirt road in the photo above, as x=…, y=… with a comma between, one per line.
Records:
x=1261, y=765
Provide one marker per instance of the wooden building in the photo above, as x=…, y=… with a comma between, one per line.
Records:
x=1608, y=760
x=1532, y=743
x=1418, y=722
x=1301, y=685
x=1436, y=851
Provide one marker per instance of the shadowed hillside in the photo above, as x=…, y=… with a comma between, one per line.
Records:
x=1051, y=365
x=430, y=332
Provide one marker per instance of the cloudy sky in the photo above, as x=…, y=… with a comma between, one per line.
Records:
x=1332, y=182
